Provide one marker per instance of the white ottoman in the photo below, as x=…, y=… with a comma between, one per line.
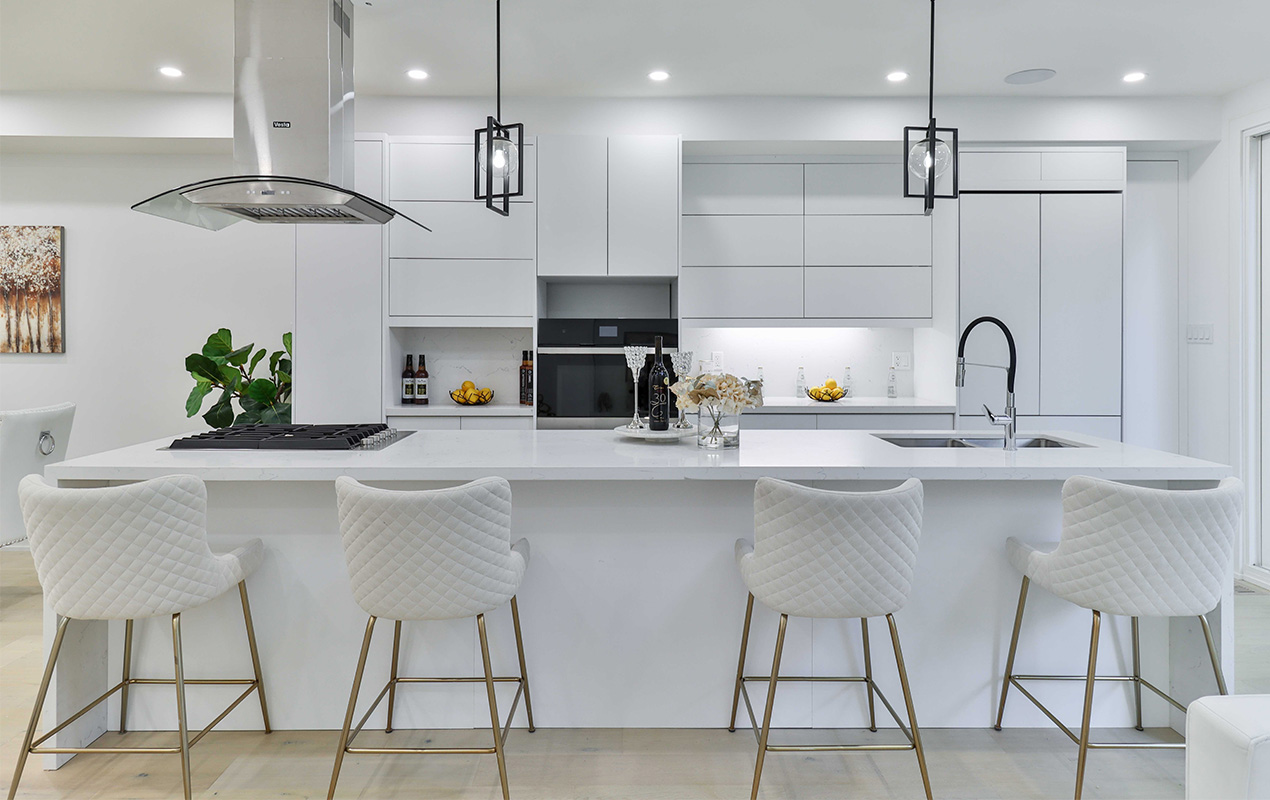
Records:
x=1228, y=748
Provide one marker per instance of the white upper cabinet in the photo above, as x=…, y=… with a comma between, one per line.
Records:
x=1084, y=169
x=445, y=171
x=867, y=293
x=1001, y=277
x=463, y=230
x=858, y=189
x=743, y=241
x=1082, y=245
x=868, y=241
x=643, y=227
x=431, y=287
x=573, y=214
x=743, y=189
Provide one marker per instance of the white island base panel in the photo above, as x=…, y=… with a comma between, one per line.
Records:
x=632, y=609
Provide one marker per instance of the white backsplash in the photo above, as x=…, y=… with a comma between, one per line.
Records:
x=823, y=352
x=489, y=357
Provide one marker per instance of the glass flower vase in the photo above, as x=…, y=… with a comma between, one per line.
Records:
x=717, y=429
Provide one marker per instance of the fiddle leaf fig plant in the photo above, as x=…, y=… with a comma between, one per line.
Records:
x=232, y=371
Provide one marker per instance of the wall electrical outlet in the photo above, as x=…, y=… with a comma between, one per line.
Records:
x=902, y=360
x=1199, y=334
x=716, y=358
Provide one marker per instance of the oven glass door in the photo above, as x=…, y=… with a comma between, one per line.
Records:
x=584, y=385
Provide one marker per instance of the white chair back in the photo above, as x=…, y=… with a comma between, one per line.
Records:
x=1144, y=552
x=433, y=554
x=821, y=553
x=30, y=439
x=127, y=552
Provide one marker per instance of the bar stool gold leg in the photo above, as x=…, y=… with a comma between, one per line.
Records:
x=352, y=705
x=1089, y=705
x=392, y=675
x=1212, y=654
x=183, y=728
x=255, y=654
x=1014, y=645
x=771, y=701
x=39, y=706
x=908, y=703
x=868, y=672
x=740, y=663
x=520, y=654
x=1137, y=675
x=127, y=675
x=495, y=727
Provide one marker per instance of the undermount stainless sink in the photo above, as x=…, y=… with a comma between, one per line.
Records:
x=974, y=442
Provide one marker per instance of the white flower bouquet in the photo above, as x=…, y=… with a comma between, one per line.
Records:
x=718, y=400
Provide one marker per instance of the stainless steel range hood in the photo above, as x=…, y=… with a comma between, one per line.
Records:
x=293, y=125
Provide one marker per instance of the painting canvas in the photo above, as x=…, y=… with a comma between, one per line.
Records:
x=31, y=289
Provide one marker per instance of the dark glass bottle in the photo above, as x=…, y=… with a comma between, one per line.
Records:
x=408, y=383
x=421, y=382
x=658, y=393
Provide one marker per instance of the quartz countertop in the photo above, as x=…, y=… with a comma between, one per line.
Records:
x=547, y=455
x=854, y=405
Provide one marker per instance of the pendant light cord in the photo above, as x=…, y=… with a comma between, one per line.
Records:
x=498, y=55
x=931, y=95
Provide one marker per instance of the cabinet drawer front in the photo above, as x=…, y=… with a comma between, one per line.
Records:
x=1086, y=171
x=778, y=422
x=424, y=423
x=420, y=287
x=998, y=171
x=868, y=292
x=885, y=422
x=444, y=171
x=496, y=423
x=868, y=241
x=741, y=292
x=743, y=188
x=463, y=230
x=742, y=241
x=858, y=189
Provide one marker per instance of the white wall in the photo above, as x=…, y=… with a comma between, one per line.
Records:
x=141, y=293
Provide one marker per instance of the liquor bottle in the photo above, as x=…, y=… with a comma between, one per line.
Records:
x=421, y=383
x=846, y=381
x=658, y=392
x=892, y=387
x=527, y=371
x=408, y=383
x=800, y=386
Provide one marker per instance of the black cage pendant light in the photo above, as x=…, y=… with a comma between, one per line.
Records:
x=929, y=158
x=498, y=146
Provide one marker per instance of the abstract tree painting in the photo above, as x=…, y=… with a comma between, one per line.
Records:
x=31, y=289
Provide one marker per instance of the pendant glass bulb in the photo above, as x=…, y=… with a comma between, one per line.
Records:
x=920, y=159
x=503, y=157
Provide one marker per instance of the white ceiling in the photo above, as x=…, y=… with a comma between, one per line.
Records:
x=710, y=47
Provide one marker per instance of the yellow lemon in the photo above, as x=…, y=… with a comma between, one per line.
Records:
x=467, y=386
x=831, y=384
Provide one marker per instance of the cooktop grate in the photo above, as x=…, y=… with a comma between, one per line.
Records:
x=293, y=437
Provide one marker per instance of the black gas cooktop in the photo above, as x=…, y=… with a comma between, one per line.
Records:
x=293, y=437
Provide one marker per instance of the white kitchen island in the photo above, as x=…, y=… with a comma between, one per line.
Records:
x=632, y=605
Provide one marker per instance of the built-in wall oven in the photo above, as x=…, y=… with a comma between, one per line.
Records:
x=581, y=373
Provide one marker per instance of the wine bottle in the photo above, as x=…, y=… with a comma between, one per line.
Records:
x=658, y=392
x=528, y=379
x=421, y=382
x=408, y=383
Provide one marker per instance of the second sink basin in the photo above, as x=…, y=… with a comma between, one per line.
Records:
x=1027, y=442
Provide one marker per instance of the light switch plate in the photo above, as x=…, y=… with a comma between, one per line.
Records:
x=902, y=361
x=1199, y=334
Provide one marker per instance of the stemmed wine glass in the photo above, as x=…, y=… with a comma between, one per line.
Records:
x=635, y=356
x=681, y=360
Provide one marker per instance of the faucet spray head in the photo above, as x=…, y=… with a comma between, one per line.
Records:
x=961, y=372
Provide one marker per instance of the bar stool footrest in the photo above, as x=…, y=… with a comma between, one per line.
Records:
x=1074, y=736
x=821, y=748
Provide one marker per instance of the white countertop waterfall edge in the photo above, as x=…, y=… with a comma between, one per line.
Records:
x=604, y=456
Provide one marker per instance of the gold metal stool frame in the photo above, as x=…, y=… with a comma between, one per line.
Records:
x=31, y=745
x=349, y=733
x=1090, y=678
x=913, y=734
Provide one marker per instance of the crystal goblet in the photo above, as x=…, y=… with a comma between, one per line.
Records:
x=681, y=360
x=635, y=356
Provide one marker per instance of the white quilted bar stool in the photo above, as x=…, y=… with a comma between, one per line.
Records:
x=130, y=552
x=432, y=555
x=1136, y=552
x=830, y=555
x=30, y=439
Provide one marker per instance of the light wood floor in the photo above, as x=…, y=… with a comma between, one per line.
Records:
x=549, y=764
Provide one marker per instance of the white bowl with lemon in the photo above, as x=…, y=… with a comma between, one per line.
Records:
x=470, y=395
x=828, y=393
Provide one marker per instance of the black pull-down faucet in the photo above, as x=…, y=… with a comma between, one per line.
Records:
x=1006, y=418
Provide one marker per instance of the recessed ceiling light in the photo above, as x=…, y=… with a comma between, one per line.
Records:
x=1026, y=76
x=658, y=75
x=896, y=77
x=1134, y=77
x=417, y=74
x=171, y=72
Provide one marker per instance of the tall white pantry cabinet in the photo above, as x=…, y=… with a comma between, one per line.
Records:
x=1042, y=248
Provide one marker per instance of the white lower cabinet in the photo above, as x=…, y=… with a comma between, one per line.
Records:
x=778, y=422
x=461, y=423
x=884, y=422
x=424, y=423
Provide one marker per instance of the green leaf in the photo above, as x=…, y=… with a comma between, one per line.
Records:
x=219, y=345
x=256, y=360
x=286, y=342
x=200, y=365
x=262, y=390
x=277, y=414
x=247, y=418
x=239, y=357
x=229, y=376
x=274, y=358
x=195, y=401
x=284, y=366
x=284, y=377
x=221, y=414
